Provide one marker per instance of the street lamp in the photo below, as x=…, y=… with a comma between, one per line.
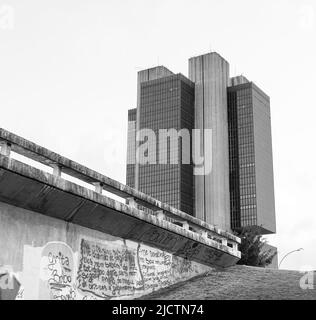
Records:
x=300, y=249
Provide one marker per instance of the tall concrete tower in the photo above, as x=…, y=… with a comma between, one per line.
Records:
x=210, y=73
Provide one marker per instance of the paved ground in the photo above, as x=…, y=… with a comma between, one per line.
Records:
x=239, y=282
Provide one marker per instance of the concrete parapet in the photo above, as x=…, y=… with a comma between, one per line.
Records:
x=44, y=216
x=76, y=170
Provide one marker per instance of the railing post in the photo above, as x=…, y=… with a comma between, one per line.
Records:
x=204, y=234
x=98, y=187
x=132, y=203
x=224, y=242
x=5, y=148
x=185, y=225
x=235, y=246
x=57, y=170
x=160, y=215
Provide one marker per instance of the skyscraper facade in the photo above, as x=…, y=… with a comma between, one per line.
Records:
x=144, y=76
x=250, y=154
x=238, y=191
x=165, y=103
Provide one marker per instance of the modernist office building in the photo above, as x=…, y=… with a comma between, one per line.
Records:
x=239, y=190
x=165, y=102
x=250, y=156
x=210, y=73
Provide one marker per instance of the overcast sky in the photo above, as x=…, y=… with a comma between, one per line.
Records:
x=68, y=76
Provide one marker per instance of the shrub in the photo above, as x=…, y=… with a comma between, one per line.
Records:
x=252, y=249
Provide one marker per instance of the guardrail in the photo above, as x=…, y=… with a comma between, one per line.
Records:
x=11, y=142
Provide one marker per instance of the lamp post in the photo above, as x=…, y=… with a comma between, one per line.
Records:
x=300, y=249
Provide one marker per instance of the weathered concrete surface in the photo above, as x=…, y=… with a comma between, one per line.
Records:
x=210, y=73
x=33, y=189
x=54, y=259
x=59, y=240
x=240, y=283
x=47, y=157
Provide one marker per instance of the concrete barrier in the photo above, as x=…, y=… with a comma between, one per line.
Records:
x=53, y=259
x=61, y=240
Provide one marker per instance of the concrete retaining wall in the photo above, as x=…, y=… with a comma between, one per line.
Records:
x=47, y=258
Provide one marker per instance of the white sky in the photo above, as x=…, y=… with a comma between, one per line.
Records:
x=68, y=76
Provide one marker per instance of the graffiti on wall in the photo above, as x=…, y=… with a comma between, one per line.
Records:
x=106, y=270
x=57, y=272
x=166, y=240
x=155, y=267
x=99, y=269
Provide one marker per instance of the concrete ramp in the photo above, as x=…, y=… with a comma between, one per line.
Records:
x=62, y=240
x=243, y=283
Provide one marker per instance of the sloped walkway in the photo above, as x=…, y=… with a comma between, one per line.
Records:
x=237, y=283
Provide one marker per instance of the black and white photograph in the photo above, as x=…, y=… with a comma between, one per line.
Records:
x=157, y=155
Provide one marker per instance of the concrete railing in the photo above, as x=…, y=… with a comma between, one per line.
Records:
x=11, y=142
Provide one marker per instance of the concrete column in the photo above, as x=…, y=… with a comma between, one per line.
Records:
x=57, y=169
x=5, y=149
x=210, y=73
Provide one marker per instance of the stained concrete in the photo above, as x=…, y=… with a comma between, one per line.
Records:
x=210, y=73
x=47, y=157
x=59, y=240
x=30, y=188
x=55, y=260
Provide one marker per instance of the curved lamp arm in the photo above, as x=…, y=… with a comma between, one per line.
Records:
x=300, y=249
